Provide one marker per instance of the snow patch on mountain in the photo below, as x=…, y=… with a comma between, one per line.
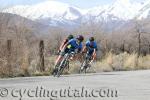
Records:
x=144, y=12
x=48, y=9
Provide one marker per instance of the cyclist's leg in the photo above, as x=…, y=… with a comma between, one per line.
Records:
x=60, y=57
x=90, y=57
x=58, y=60
x=80, y=56
x=94, y=56
x=77, y=57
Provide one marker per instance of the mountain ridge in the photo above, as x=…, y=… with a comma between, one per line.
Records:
x=55, y=13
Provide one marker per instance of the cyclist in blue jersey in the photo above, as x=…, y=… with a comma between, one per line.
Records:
x=90, y=48
x=73, y=45
x=65, y=41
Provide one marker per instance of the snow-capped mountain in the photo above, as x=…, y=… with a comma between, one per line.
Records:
x=55, y=13
x=144, y=11
x=52, y=11
x=119, y=10
x=122, y=9
x=46, y=9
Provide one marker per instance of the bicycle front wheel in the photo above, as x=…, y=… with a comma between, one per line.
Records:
x=62, y=67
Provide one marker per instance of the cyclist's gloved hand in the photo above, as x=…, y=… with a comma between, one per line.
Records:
x=58, y=52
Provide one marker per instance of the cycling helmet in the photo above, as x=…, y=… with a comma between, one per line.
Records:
x=91, y=38
x=80, y=38
x=70, y=37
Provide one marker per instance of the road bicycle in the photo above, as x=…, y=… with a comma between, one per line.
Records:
x=63, y=64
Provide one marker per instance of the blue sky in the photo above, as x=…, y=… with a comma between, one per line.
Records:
x=79, y=3
x=87, y=3
x=92, y=3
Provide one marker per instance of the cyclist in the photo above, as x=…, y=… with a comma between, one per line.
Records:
x=90, y=48
x=73, y=45
x=65, y=41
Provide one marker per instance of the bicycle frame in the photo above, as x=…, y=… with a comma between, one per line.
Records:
x=85, y=63
x=64, y=63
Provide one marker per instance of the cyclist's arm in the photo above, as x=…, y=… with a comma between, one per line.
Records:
x=94, y=54
x=65, y=46
x=62, y=45
x=84, y=49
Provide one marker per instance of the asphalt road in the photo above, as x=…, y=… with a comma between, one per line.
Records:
x=129, y=85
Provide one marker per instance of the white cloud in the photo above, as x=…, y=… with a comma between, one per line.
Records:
x=10, y=3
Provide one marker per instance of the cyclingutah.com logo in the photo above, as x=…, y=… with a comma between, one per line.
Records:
x=43, y=93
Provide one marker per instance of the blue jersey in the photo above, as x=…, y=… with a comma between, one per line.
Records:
x=73, y=45
x=91, y=46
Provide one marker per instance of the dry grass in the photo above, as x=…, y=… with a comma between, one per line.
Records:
x=108, y=63
x=112, y=62
x=123, y=61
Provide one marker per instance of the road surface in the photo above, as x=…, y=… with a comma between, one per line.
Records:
x=128, y=85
